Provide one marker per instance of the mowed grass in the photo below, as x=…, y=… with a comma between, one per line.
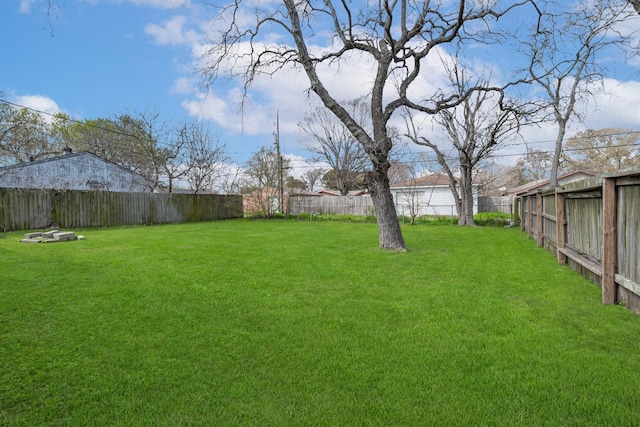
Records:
x=278, y=323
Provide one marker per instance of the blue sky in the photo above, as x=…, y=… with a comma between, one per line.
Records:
x=94, y=59
x=91, y=59
x=98, y=58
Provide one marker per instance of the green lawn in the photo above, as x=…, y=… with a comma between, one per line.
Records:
x=278, y=323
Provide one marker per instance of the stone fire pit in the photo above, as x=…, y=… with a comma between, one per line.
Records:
x=52, y=236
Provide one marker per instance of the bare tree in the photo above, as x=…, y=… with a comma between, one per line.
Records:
x=329, y=140
x=395, y=37
x=565, y=59
x=474, y=128
x=148, y=133
x=231, y=179
x=206, y=157
x=413, y=198
x=401, y=172
x=174, y=153
x=312, y=176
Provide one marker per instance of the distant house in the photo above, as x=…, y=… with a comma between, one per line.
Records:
x=428, y=195
x=73, y=171
x=544, y=184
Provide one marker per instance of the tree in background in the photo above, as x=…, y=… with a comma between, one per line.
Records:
x=262, y=172
x=206, y=157
x=124, y=140
x=312, y=177
x=535, y=165
x=564, y=59
x=330, y=141
x=401, y=172
x=148, y=133
x=6, y=112
x=331, y=178
x=412, y=197
x=604, y=151
x=474, y=128
x=293, y=183
x=174, y=154
x=24, y=136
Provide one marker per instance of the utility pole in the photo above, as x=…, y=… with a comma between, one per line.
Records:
x=280, y=171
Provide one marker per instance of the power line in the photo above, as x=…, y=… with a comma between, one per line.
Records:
x=448, y=155
x=67, y=118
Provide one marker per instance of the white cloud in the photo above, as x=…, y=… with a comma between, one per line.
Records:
x=38, y=102
x=25, y=6
x=183, y=86
x=208, y=107
x=300, y=165
x=287, y=92
x=162, y=4
x=615, y=106
x=172, y=32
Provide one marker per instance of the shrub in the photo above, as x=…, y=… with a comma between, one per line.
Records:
x=496, y=219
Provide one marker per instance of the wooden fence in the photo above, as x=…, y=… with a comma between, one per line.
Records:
x=338, y=205
x=363, y=205
x=494, y=204
x=22, y=209
x=594, y=226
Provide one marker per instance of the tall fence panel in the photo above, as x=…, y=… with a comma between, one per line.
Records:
x=549, y=222
x=494, y=204
x=627, y=239
x=594, y=226
x=584, y=224
x=338, y=205
x=30, y=209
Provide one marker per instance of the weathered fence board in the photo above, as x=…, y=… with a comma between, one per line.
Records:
x=338, y=205
x=30, y=209
x=494, y=204
x=593, y=226
x=584, y=226
x=628, y=226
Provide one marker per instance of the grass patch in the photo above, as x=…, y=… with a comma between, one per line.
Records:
x=493, y=219
x=252, y=322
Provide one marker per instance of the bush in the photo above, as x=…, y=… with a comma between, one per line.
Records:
x=496, y=219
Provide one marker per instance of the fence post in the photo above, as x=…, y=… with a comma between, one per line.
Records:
x=560, y=227
x=529, y=216
x=521, y=205
x=609, y=241
x=540, y=234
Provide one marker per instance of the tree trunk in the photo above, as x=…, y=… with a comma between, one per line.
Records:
x=377, y=148
x=469, y=209
x=465, y=216
x=562, y=125
x=390, y=234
